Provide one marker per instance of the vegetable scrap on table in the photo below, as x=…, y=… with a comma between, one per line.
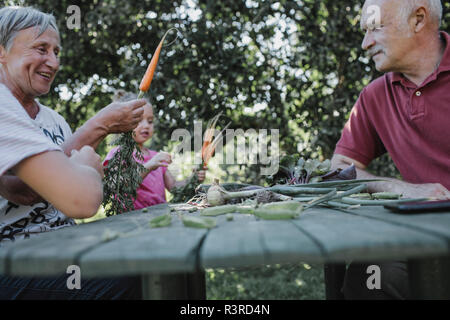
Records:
x=298, y=186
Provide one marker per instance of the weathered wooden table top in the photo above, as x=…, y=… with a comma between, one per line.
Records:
x=126, y=244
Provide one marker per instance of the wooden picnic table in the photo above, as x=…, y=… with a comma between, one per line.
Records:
x=172, y=260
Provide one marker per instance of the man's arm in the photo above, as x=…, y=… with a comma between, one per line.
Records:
x=408, y=190
x=73, y=185
x=117, y=117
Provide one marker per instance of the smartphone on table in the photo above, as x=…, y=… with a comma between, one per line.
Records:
x=442, y=206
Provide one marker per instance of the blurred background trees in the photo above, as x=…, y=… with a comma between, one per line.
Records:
x=296, y=66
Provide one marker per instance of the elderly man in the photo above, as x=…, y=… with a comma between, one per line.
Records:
x=29, y=50
x=405, y=113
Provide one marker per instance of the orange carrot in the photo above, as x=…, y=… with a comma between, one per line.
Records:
x=148, y=76
x=205, y=149
x=209, y=145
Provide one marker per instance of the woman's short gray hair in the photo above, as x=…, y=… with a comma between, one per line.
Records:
x=15, y=19
x=434, y=7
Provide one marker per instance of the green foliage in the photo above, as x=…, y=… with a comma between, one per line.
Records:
x=227, y=58
x=295, y=170
x=275, y=282
x=186, y=192
x=122, y=176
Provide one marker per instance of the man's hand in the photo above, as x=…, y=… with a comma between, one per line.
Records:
x=88, y=157
x=119, y=117
x=408, y=190
x=15, y=190
x=427, y=190
x=162, y=159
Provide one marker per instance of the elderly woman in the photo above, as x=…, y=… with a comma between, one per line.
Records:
x=32, y=137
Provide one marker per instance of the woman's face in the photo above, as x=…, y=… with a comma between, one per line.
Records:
x=32, y=62
x=144, y=130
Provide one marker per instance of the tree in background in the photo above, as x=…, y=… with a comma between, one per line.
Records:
x=296, y=66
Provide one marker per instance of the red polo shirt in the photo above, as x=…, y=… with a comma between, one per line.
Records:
x=411, y=123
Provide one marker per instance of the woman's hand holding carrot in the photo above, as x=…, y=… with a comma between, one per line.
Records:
x=120, y=117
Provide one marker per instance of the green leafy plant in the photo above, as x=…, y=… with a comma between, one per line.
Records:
x=122, y=176
x=186, y=192
x=296, y=170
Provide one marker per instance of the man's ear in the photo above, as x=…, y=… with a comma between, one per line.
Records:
x=420, y=19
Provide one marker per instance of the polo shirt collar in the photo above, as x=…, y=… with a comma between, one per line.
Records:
x=395, y=76
x=445, y=62
x=443, y=66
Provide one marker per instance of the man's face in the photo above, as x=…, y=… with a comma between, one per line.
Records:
x=32, y=62
x=389, y=42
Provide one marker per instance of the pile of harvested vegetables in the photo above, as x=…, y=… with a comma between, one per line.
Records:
x=298, y=185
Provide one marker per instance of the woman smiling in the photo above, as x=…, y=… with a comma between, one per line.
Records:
x=47, y=175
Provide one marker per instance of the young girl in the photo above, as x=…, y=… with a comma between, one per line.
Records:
x=156, y=177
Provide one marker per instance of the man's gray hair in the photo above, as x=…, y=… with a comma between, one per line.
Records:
x=14, y=19
x=434, y=7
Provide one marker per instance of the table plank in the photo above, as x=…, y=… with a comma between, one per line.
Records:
x=432, y=223
x=52, y=252
x=322, y=235
x=345, y=236
x=150, y=250
x=247, y=241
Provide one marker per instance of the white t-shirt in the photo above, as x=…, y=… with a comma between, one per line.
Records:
x=20, y=138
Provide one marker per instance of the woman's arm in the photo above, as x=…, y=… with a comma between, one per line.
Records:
x=117, y=117
x=15, y=190
x=73, y=185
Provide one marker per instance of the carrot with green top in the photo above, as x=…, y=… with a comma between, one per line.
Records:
x=148, y=76
x=210, y=144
